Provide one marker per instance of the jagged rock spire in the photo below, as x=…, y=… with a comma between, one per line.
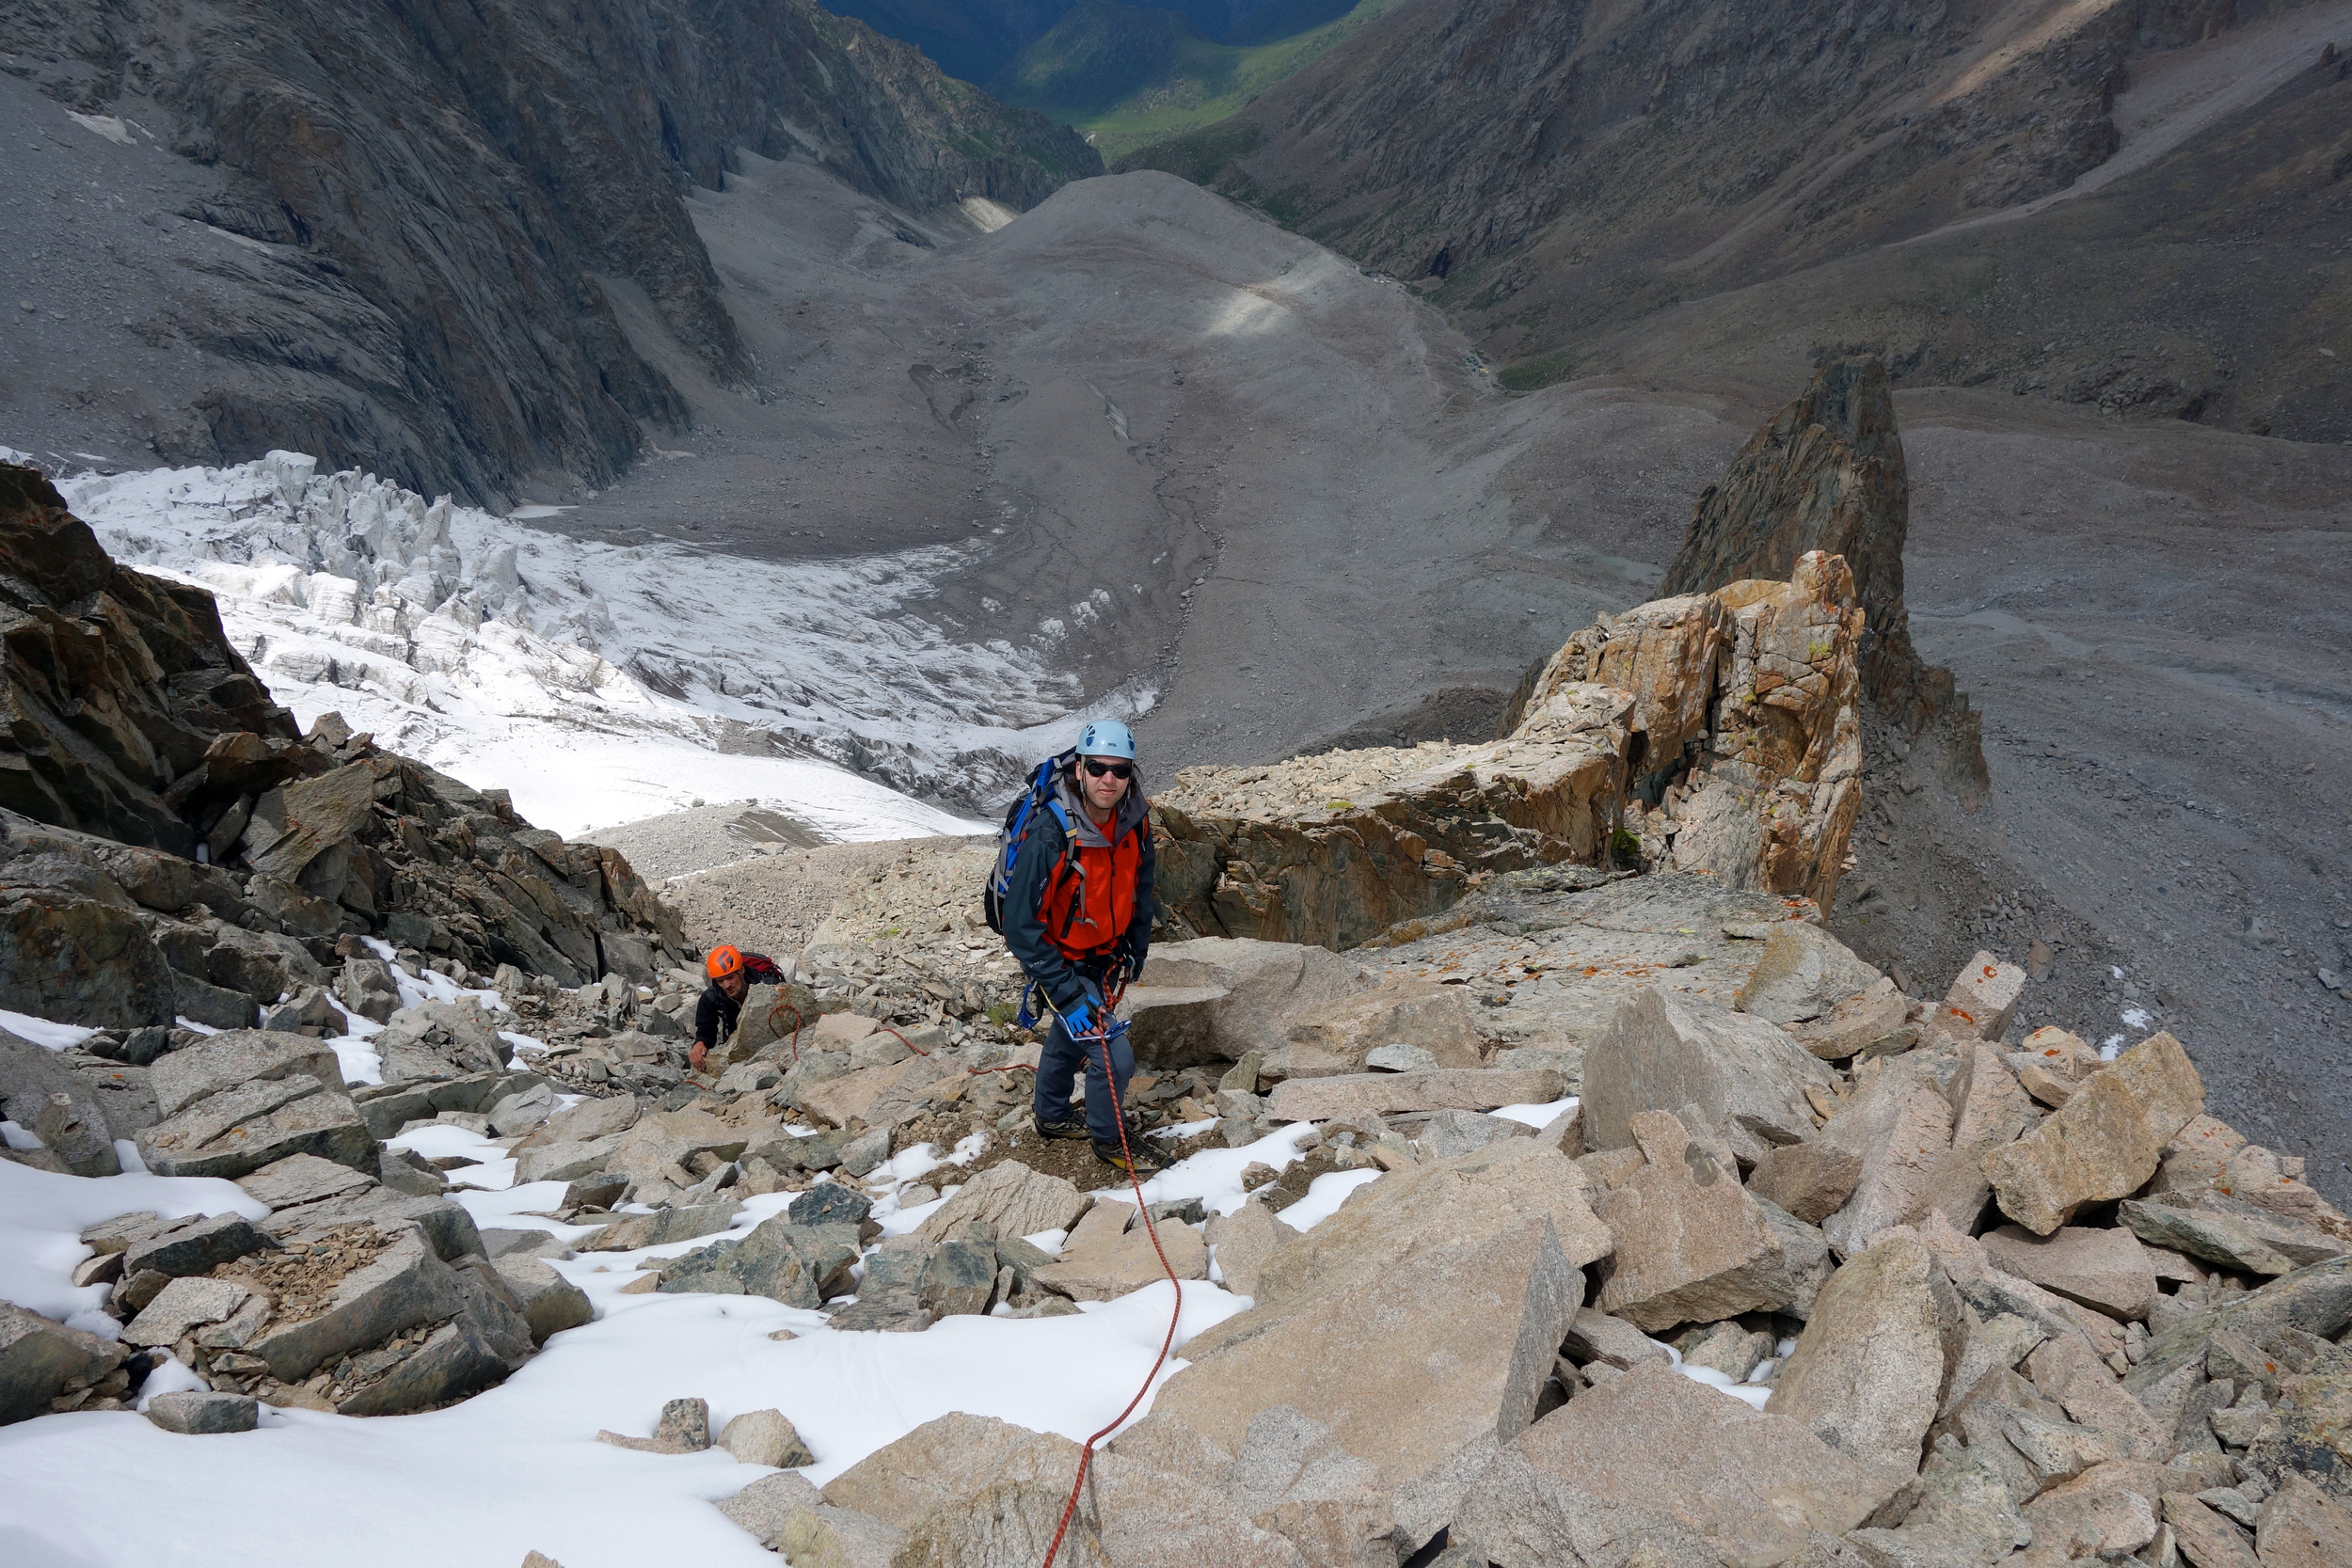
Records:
x=1827, y=473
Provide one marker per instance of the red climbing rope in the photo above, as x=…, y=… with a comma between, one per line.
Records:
x=1167, y=1341
x=775, y=1028
x=1119, y=1112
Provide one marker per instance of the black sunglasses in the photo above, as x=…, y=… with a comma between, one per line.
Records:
x=1111, y=770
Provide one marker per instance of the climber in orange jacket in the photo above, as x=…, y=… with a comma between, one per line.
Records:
x=732, y=973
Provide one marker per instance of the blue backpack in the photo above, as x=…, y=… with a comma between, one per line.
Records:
x=1040, y=796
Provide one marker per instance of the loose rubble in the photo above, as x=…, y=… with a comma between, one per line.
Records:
x=1581, y=1216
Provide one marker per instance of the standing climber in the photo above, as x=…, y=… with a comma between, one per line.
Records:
x=1077, y=916
x=732, y=971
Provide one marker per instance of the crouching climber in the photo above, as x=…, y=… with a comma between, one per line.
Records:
x=1076, y=912
x=732, y=973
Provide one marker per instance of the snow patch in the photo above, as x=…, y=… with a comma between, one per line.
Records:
x=1324, y=1195
x=1537, y=1116
x=43, y=1214
x=1213, y=1175
x=518, y=1469
x=41, y=1032
x=1756, y=1395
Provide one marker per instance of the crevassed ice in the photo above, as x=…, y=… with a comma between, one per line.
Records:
x=488, y=646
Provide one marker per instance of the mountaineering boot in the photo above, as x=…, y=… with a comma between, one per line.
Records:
x=1070, y=1127
x=1148, y=1161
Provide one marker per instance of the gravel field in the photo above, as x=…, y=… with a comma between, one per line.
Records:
x=771, y=903
x=682, y=842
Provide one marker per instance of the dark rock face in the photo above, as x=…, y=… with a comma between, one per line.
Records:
x=118, y=683
x=1826, y=473
x=35, y=1082
x=440, y=199
x=138, y=737
x=1593, y=190
x=1452, y=134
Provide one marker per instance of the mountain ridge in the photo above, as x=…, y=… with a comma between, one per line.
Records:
x=1553, y=179
x=412, y=280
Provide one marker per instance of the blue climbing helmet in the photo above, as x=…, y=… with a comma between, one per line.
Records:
x=1107, y=738
x=1102, y=737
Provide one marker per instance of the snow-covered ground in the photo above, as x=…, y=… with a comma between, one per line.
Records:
x=518, y=1468
x=602, y=683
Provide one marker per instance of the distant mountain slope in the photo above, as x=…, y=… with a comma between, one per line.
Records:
x=1129, y=76
x=1555, y=175
x=970, y=39
x=387, y=235
x=977, y=38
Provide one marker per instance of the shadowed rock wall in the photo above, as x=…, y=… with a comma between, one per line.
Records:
x=438, y=196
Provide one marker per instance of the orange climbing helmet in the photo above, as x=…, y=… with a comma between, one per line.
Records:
x=722, y=963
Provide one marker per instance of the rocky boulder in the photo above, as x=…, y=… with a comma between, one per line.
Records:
x=801, y=1265
x=2301, y=1527
x=1693, y=1246
x=1869, y=1372
x=1220, y=999
x=1337, y=1037
x=1873, y=1021
x=945, y=1460
x=1355, y=1095
x=246, y=1099
x=549, y=1302
x=1474, y=1261
x=1802, y=974
x=1739, y=704
x=72, y=947
x=2222, y=1228
x=42, y=1361
x=1897, y=1122
x=1331, y=850
x=1013, y=1200
x=1242, y=1244
x=196, y=1414
x=1990, y=1109
x=365, y=1314
x=1110, y=1255
x=2104, y=1268
x=1984, y=995
x=2103, y=1143
x=37, y=1091
x=1665, y=1051
x=1810, y=1180
x=1700, y=1478
x=1007, y=1523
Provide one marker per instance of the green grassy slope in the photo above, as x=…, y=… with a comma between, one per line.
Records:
x=1128, y=77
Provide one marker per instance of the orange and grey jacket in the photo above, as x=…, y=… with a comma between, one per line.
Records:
x=1079, y=900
